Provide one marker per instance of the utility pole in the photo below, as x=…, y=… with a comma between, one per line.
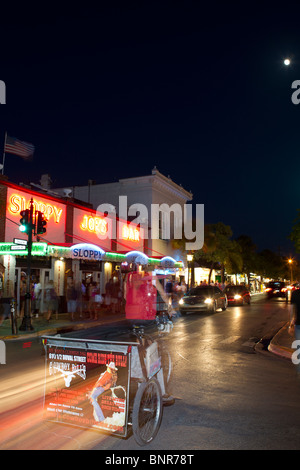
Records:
x=26, y=322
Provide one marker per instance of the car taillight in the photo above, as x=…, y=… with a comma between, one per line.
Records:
x=268, y=289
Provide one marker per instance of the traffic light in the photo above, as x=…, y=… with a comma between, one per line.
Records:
x=24, y=221
x=40, y=223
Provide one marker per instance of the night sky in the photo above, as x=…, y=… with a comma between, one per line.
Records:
x=109, y=92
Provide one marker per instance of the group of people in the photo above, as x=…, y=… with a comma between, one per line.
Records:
x=48, y=295
x=83, y=298
x=86, y=298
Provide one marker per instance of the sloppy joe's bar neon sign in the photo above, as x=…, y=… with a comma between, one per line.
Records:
x=94, y=224
x=129, y=233
x=19, y=203
x=100, y=225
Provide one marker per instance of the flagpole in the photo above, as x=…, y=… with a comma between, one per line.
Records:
x=3, y=160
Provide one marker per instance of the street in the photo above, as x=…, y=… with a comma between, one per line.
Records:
x=228, y=396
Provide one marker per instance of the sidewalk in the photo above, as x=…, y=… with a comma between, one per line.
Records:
x=60, y=325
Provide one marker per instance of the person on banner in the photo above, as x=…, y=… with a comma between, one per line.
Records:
x=107, y=380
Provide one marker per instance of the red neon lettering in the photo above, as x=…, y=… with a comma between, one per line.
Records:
x=94, y=224
x=15, y=204
x=129, y=233
x=18, y=203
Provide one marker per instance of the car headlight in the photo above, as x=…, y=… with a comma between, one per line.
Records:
x=236, y=297
x=181, y=301
x=208, y=301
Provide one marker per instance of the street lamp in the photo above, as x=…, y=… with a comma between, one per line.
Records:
x=290, y=261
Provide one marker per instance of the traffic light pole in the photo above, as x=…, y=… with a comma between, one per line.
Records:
x=26, y=322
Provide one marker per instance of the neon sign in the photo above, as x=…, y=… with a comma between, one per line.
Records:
x=94, y=224
x=131, y=234
x=19, y=203
x=38, y=249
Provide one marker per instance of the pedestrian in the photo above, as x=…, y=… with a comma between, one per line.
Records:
x=108, y=293
x=115, y=295
x=92, y=302
x=79, y=288
x=51, y=300
x=37, y=296
x=23, y=289
x=87, y=296
x=4, y=310
x=71, y=295
x=98, y=302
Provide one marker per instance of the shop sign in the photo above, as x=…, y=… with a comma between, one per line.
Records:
x=18, y=203
x=92, y=228
x=96, y=225
x=130, y=233
x=87, y=251
x=54, y=212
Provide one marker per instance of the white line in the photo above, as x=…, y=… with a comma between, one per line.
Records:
x=183, y=357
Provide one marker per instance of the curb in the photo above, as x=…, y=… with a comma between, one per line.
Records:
x=278, y=349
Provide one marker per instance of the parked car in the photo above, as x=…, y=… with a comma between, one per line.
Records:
x=237, y=295
x=276, y=289
x=200, y=298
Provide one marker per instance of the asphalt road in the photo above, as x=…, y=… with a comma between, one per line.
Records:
x=228, y=396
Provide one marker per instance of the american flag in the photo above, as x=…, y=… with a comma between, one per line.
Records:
x=17, y=147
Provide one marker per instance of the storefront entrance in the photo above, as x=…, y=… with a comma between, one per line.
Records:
x=37, y=274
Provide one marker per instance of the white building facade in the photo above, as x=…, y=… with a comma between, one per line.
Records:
x=150, y=191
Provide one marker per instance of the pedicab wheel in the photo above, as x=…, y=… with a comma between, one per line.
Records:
x=147, y=412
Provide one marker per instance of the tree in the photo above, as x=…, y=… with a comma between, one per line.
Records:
x=271, y=265
x=295, y=234
x=220, y=249
x=249, y=255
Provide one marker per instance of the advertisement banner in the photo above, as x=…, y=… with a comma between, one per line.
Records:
x=87, y=388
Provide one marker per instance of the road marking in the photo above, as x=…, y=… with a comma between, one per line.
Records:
x=183, y=357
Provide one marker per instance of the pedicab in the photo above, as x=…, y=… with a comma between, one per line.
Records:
x=108, y=381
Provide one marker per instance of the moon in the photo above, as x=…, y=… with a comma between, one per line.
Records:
x=287, y=62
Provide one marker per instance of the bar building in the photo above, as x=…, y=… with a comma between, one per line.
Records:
x=79, y=242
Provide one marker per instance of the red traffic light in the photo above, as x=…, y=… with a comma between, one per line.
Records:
x=40, y=223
